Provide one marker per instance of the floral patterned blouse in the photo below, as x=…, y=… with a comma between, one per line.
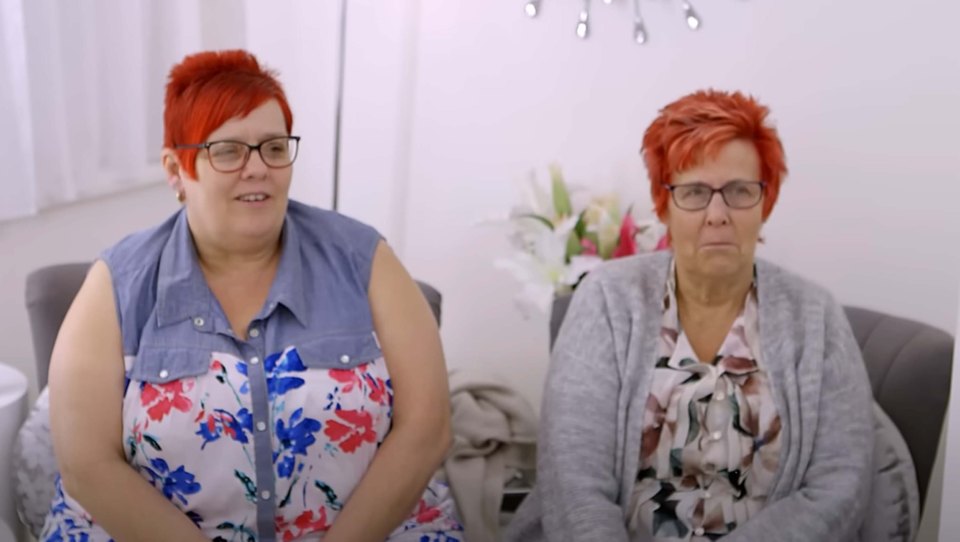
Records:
x=711, y=434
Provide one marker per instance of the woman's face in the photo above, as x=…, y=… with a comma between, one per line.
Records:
x=717, y=240
x=251, y=202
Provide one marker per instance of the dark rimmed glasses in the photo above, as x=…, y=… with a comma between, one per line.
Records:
x=231, y=156
x=736, y=194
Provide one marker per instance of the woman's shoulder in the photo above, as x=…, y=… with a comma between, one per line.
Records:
x=140, y=249
x=325, y=228
x=772, y=278
x=641, y=273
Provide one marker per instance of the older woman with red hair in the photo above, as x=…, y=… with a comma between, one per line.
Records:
x=253, y=368
x=702, y=393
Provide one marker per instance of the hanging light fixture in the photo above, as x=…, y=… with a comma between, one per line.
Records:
x=583, y=25
x=693, y=20
x=532, y=8
x=640, y=35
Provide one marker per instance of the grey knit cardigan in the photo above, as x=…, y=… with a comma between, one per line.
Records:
x=599, y=378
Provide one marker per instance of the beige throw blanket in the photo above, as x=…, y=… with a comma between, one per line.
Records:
x=494, y=435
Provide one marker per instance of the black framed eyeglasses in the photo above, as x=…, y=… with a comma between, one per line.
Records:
x=230, y=156
x=736, y=194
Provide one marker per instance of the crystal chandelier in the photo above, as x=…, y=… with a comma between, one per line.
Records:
x=532, y=9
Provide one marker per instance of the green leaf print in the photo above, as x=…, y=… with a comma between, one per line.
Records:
x=248, y=484
x=694, y=430
x=736, y=417
x=676, y=461
x=152, y=442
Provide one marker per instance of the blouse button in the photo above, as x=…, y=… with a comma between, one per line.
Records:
x=254, y=333
x=344, y=359
x=254, y=360
x=706, y=494
x=264, y=495
x=698, y=531
x=164, y=373
x=261, y=426
x=716, y=435
x=720, y=396
x=198, y=321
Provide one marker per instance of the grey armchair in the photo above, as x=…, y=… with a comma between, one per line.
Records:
x=50, y=291
x=909, y=365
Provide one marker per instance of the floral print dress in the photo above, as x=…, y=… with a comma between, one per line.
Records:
x=711, y=434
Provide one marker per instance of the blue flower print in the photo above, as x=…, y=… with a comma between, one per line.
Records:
x=276, y=365
x=174, y=484
x=215, y=424
x=295, y=438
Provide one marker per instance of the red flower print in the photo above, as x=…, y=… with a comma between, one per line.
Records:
x=162, y=398
x=304, y=524
x=347, y=377
x=426, y=514
x=379, y=393
x=350, y=435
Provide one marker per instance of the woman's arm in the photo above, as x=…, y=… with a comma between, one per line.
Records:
x=834, y=492
x=576, y=448
x=420, y=435
x=86, y=398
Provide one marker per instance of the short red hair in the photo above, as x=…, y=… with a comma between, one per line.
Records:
x=206, y=90
x=696, y=127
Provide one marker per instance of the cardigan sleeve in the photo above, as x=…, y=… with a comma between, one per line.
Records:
x=835, y=487
x=577, y=484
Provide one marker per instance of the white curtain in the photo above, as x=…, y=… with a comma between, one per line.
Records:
x=81, y=95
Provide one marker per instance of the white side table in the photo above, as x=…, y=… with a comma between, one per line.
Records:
x=13, y=410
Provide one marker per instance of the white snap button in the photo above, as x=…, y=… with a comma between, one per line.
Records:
x=164, y=373
x=254, y=360
x=198, y=321
x=264, y=495
x=716, y=435
x=261, y=426
x=344, y=359
x=698, y=531
x=720, y=396
x=254, y=333
x=706, y=494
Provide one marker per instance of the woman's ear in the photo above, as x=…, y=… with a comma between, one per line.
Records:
x=171, y=165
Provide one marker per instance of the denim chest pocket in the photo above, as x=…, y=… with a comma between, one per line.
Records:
x=340, y=351
x=162, y=364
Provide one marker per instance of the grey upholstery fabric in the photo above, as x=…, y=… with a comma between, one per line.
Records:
x=49, y=292
x=909, y=365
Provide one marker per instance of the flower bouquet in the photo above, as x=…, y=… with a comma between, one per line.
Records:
x=557, y=242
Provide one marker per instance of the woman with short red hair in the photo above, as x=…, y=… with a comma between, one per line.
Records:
x=701, y=393
x=253, y=368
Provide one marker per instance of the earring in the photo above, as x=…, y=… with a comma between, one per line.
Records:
x=181, y=196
